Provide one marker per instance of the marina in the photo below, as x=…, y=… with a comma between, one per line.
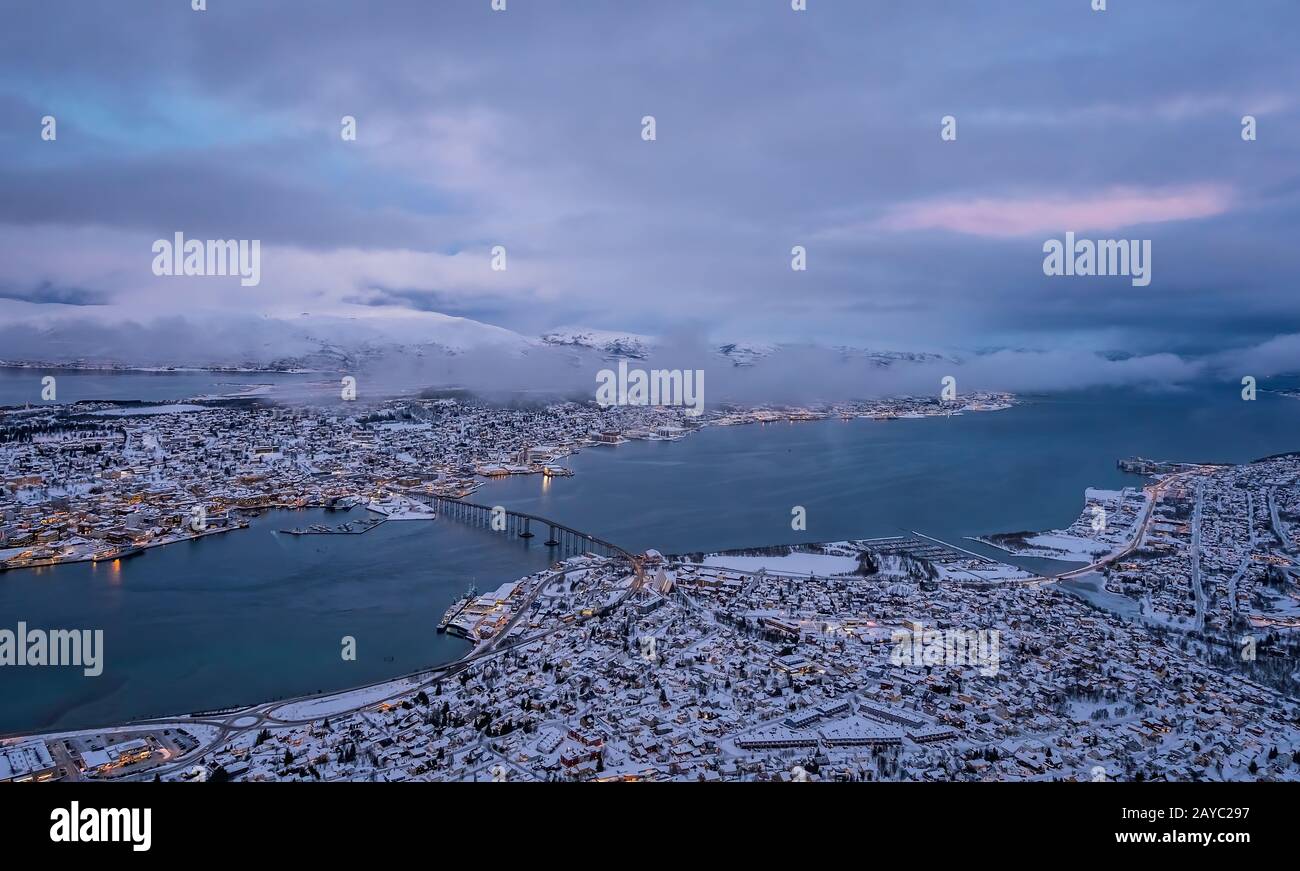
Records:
x=352, y=527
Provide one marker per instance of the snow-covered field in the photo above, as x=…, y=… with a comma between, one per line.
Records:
x=329, y=705
x=793, y=564
x=1106, y=526
x=1062, y=546
x=176, y=408
x=401, y=508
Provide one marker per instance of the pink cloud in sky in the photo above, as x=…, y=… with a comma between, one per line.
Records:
x=1110, y=210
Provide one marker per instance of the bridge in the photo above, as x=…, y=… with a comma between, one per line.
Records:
x=565, y=538
x=518, y=523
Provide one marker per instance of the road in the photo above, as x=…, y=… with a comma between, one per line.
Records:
x=1279, y=528
x=1155, y=492
x=1198, y=588
x=1250, y=551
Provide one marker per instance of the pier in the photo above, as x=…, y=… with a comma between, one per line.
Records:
x=454, y=611
x=352, y=527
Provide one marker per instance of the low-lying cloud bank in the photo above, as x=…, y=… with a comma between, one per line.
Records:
x=488, y=361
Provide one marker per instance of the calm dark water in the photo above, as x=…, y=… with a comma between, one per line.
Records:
x=250, y=616
x=1021, y=469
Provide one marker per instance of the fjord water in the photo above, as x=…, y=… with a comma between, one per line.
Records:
x=1025, y=468
x=250, y=615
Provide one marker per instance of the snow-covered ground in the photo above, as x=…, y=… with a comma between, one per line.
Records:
x=243, y=392
x=401, y=508
x=1106, y=526
x=792, y=564
x=176, y=408
x=346, y=701
x=202, y=731
x=983, y=570
x=1062, y=546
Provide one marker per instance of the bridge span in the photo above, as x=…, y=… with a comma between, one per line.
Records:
x=519, y=523
x=565, y=538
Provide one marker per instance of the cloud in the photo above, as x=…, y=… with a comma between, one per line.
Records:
x=1112, y=210
x=1174, y=108
x=1280, y=355
x=47, y=293
x=437, y=352
x=523, y=129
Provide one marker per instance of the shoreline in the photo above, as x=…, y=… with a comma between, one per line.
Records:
x=156, y=370
x=426, y=670
x=758, y=414
x=356, y=698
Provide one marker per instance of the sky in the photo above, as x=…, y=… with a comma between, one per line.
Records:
x=774, y=128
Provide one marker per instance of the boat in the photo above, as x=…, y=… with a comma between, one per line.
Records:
x=456, y=607
x=116, y=553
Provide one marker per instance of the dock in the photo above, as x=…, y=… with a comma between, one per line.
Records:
x=454, y=611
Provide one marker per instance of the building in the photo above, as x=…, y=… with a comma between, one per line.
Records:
x=26, y=762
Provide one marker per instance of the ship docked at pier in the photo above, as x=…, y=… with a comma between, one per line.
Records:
x=456, y=607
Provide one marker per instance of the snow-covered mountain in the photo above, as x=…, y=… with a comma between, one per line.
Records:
x=889, y=358
x=613, y=344
x=744, y=353
x=610, y=343
x=222, y=340
x=381, y=338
